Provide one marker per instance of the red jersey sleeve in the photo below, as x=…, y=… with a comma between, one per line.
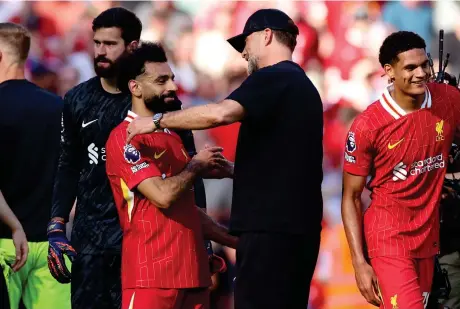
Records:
x=454, y=99
x=131, y=162
x=358, y=149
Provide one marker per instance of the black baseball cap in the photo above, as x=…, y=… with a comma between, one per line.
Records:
x=266, y=18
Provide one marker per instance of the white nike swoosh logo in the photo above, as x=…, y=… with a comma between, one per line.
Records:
x=83, y=125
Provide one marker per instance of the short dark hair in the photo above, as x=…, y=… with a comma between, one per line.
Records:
x=286, y=38
x=127, y=21
x=133, y=65
x=16, y=39
x=399, y=42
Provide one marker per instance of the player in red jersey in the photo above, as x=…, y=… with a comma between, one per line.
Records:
x=402, y=142
x=164, y=263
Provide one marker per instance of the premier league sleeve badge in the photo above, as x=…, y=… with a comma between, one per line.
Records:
x=131, y=154
x=351, y=142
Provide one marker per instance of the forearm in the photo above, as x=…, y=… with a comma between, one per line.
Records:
x=64, y=193
x=176, y=185
x=194, y=118
x=68, y=172
x=164, y=192
x=216, y=232
x=352, y=220
x=7, y=216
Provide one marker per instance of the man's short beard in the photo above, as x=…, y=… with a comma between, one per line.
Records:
x=253, y=64
x=157, y=104
x=109, y=72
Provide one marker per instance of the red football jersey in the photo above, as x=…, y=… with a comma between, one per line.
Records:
x=406, y=156
x=162, y=248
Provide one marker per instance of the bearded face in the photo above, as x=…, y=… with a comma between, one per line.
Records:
x=109, y=48
x=163, y=103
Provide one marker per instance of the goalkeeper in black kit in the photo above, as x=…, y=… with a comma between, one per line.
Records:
x=91, y=110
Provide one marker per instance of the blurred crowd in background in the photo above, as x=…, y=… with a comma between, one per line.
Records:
x=338, y=47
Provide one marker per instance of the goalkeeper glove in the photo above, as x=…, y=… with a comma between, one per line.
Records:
x=58, y=246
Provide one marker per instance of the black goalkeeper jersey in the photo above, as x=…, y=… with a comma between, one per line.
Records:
x=89, y=115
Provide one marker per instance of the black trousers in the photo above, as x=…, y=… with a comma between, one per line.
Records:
x=96, y=282
x=275, y=270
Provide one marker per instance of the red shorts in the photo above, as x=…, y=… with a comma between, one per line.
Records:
x=404, y=283
x=165, y=298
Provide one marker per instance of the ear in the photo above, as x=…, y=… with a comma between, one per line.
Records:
x=268, y=36
x=132, y=46
x=135, y=88
x=389, y=71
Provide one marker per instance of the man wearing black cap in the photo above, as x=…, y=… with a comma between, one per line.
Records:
x=277, y=201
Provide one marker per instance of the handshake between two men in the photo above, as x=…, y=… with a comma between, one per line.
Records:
x=207, y=163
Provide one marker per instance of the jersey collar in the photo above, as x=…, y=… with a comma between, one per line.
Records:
x=131, y=115
x=393, y=108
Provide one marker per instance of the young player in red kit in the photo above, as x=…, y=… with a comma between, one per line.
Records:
x=164, y=263
x=402, y=142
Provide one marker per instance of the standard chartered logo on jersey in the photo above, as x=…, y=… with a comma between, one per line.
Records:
x=95, y=154
x=427, y=165
x=418, y=167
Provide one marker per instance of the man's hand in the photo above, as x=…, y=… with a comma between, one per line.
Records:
x=367, y=283
x=223, y=170
x=208, y=159
x=217, y=264
x=139, y=125
x=22, y=248
x=58, y=246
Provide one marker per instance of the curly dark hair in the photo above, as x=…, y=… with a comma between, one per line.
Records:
x=129, y=24
x=399, y=42
x=133, y=65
